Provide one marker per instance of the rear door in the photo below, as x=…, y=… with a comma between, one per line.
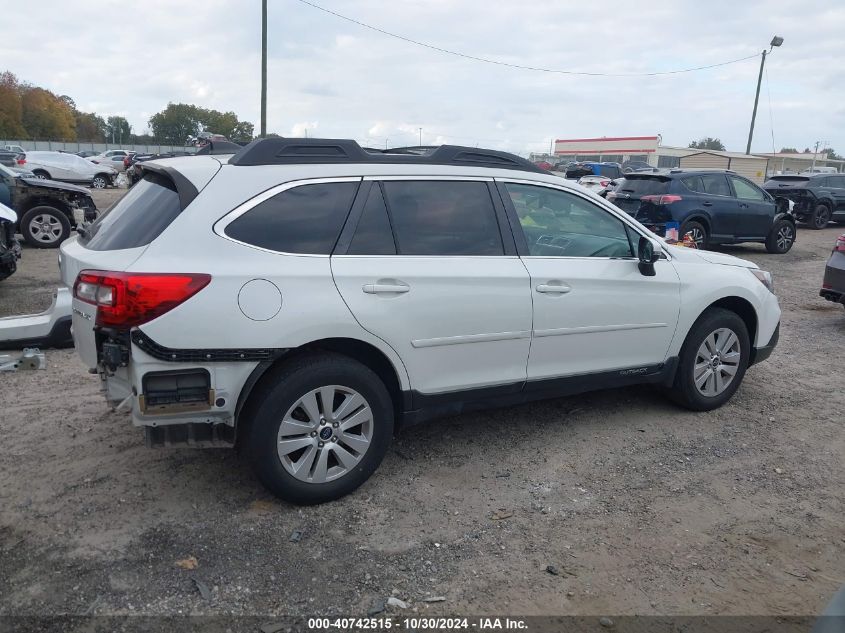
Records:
x=721, y=206
x=756, y=210
x=425, y=265
x=837, y=190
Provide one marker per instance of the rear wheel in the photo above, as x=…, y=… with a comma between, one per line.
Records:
x=698, y=231
x=40, y=173
x=781, y=237
x=100, y=181
x=320, y=427
x=713, y=361
x=820, y=216
x=45, y=227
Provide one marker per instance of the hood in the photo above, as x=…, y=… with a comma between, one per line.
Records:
x=52, y=184
x=685, y=254
x=7, y=214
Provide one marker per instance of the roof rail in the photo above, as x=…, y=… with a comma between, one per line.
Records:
x=298, y=151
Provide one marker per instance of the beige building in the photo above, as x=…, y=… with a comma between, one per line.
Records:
x=795, y=163
x=748, y=165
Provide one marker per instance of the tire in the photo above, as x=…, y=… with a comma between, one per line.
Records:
x=41, y=174
x=45, y=227
x=100, y=181
x=698, y=229
x=313, y=442
x=820, y=216
x=781, y=237
x=684, y=391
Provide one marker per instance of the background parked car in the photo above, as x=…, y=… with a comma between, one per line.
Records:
x=69, y=168
x=14, y=148
x=715, y=206
x=634, y=165
x=116, y=161
x=818, y=198
x=86, y=153
x=11, y=158
x=133, y=170
x=833, y=285
x=576, y=171
x=47, y=210
x=597, y=184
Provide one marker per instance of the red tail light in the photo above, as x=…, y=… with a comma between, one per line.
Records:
x=125, y=300
x=839, y=247
x=604, y=183
x=21, y=161
x=664, y=199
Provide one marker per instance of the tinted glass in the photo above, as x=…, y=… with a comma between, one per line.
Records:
x=373, y=235
x=693, y=183
x=745, y=190
x=644, y=186
x=443, y=218
x=305, y=219
x=836, y=181
x=716, y=184
x=560, y=224
x=137, y=218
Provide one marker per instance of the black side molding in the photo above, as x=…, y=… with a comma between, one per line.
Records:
x=224, y=355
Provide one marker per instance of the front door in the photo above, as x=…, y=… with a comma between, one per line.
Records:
x=425, y=269
x=593, y=309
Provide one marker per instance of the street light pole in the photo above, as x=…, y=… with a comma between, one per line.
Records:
x=263, y=68
x=776, y=41
x=420, y=137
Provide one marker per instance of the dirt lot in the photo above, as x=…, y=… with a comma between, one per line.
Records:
x=642, y=508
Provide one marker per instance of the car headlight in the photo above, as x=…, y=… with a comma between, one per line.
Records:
x=765, y=278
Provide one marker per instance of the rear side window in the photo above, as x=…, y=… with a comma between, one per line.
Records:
x=693, y=183
x=644, y=186
x=137, y=218
x=716, y=184
x=443, y=218
x=306, y=219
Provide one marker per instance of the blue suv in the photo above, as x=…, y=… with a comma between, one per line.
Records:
x=714, y=206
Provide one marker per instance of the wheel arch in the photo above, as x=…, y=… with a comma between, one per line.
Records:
x=702, y=218
x=742, y=308
x=363, y=352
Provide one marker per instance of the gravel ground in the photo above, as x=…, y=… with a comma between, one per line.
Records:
x=638, y=506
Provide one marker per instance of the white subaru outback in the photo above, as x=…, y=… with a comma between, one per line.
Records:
x=304, y=298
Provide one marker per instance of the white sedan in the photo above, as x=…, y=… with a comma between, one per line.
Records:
x=69, y=168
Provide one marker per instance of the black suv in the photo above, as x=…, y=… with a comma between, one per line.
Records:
x=45, y=208
x=818, y=198
x=715, y=206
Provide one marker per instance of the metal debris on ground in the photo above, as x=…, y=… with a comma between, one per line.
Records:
x=29, y=358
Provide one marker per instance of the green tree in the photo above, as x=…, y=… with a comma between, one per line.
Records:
x=708, y=143
x=11, y=110
x=788, y=150
x=117, y=130
x=831, y=154
x=175, y=124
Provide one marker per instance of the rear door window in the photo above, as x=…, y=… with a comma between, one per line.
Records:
x=716, y=185
x=136, y=219
x=443, y=218
x=693, y=183
x=305, y=220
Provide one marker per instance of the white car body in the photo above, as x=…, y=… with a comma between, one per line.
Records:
x=67, y=168
x=14, y=148
x=595, y=184
x=446, y=325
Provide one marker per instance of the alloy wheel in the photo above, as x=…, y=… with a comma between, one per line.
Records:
x=325, y=434
x=785, y=237
x=45, y=228
x=822, y=217
x=716, y=362
x=697, y=236
x=99, y=183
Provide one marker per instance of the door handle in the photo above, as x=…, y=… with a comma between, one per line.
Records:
x=707, y=204
x=376, y=289
x=554, y=288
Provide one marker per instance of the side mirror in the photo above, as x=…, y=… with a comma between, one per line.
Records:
x=647, y=257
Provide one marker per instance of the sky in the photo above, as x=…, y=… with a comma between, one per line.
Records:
x=337, y=79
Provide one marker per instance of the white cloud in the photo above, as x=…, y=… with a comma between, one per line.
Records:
x=300, y=129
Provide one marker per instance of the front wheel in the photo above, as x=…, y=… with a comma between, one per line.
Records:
x=320, y=427
x=41, y=174
x=781, y=237
x=45, y=227
x=713, y=361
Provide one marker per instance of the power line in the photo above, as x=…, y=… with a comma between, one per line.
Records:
x=520, y=66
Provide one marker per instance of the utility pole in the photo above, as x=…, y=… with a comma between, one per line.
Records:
x=776, y=41
x=420, y=137
x=263, y=68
